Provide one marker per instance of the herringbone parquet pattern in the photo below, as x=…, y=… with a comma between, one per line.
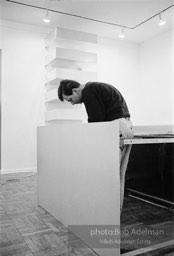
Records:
x=26, y=229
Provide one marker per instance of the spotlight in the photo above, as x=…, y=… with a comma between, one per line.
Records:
x=122, y=34
x=46, y=19
x=161, y=21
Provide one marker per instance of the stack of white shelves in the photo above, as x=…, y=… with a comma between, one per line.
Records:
x=70, y=55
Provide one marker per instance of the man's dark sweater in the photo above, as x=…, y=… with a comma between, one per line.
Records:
x=103, y=102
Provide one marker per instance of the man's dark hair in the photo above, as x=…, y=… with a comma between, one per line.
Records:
x=66, y=87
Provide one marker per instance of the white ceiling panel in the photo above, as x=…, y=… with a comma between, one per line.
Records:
x=125, y=13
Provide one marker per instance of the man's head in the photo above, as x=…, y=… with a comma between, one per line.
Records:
x=70, y=91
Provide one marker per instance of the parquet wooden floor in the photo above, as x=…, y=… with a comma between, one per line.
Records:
x=26, y=229
x=147, y=226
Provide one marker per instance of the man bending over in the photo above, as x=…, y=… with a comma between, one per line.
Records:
x=103, y=103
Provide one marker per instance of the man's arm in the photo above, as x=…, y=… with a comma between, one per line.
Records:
x=94, y=106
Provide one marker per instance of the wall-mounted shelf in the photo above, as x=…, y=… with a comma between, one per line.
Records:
x=73, y=64
x=66, y=73
x=62, y=33
x=70, y=55
x=64, y=114
x=72, y=44
x=51, y=96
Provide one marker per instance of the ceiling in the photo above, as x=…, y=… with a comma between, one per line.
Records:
x=127, y=13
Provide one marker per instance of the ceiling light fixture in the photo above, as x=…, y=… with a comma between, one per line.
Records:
x=46, y=19
x=122, y=34
x=91, y=19
x=161, y=21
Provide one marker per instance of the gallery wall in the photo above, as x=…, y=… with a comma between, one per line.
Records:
x=157, y=80
x=119, y=65
x=22, y=95
x=142, y=72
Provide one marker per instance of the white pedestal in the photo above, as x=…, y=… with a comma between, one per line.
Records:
x=78, y=174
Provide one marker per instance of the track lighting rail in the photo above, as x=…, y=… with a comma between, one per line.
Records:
x=90, y=19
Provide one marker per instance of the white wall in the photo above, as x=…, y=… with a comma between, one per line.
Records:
x=22, y=95
x=156, y=90
x=119, y=65
x=0, y=36
x=143, y=74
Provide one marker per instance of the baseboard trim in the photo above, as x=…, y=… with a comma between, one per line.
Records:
x=8, y=171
